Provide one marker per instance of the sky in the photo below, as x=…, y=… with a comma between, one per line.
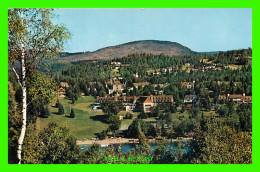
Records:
x=200, y=29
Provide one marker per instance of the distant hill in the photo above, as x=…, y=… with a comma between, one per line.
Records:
x=147, y=46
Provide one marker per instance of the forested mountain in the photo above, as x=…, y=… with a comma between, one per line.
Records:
x=147, y=46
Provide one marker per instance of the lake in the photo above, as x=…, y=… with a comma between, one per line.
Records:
x=125, y=147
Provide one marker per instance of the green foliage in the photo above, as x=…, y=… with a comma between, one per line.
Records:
x=114, y=122
x=93, y=155
x=46, y=112
x=220, y=144
x=138, y=124
x=58, y=146
x=128, y=115
x=223, y=111
x=53, y=145
x=39, y=34
x=184, y=127
x=143, y=115
x=102, y=135
x=14, y=125
x=112, y=107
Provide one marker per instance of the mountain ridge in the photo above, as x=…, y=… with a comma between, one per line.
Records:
x=155, y=47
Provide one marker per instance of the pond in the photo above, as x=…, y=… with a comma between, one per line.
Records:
x=125, y=147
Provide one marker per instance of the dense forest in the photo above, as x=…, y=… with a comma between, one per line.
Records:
x=219, y=130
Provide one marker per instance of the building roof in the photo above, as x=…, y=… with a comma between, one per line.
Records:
x=136, y=85
x=235, y=96
x=189, y=97
x=116, y=83
x=145, y=99
x=185, y=83
x=247, y=98
x=64, y=84
x=61, y=89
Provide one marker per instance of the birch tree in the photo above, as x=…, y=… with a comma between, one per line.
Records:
x=33, y=40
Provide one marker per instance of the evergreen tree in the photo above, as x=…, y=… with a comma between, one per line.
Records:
x=57, y=103
x=73, y=100
x=61, y=110
x=72, y=114
x=46, y=112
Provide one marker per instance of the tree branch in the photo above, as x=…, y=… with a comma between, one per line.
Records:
x=17, y=76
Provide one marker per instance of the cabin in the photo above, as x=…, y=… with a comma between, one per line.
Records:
x=61, y=91
x=64, y=84
x=188, y=85
x=114, y=86
x=190, y=98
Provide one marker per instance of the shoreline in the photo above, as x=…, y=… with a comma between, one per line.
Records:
x=122, y=140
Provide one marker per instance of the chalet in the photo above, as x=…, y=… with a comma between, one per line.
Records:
x=160, y=85
x=153, y=72
x=64, y=84
x=141, y=84
x=210, y=67
x=61, y=91
x=168, y=69
x=114, y=86
x=96, y=106
x=190, y=98
x=136, y=75
x=228, y=83
x=128, y=102
x=188, y=85
x=222, y=97
x=115, y=63
x=187, y=64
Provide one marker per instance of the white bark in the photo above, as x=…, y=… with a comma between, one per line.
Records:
x=24, y=105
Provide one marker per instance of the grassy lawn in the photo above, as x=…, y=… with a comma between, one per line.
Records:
x=126, y=122
x=82, y=126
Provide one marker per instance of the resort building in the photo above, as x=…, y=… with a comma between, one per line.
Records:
x=114, y=86
x=237, y=98
x=144, y=103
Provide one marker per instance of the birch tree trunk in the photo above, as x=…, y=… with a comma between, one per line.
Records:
x=24, y=103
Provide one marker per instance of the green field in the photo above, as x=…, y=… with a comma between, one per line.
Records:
x=82, y=126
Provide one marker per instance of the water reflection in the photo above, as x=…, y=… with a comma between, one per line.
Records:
x=125, y=147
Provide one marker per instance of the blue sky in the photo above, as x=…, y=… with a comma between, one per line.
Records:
x=199, y=29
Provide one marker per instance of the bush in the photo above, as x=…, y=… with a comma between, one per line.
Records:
x=46, y=112
x=128, y=116
x=102, y=135
x=143, y=115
